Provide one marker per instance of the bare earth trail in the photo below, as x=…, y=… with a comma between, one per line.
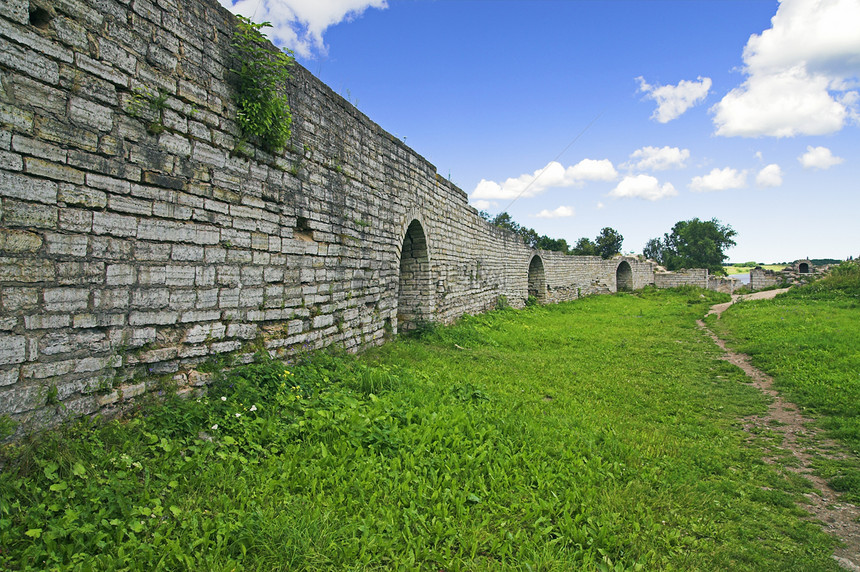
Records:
x=800, y=441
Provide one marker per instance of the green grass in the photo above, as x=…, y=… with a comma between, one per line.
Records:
x=807, y=340
x=602, y=434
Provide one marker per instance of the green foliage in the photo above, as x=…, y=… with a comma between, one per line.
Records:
x=506, y=221
x=693, y=244
x=529, y=235
x=7, y=426
x=843, y=281
x=149, y=104
x=608, y=242
x=603, y=434
x=584, y=247
x=502, y=303
x=263, y=111
x=606, y=245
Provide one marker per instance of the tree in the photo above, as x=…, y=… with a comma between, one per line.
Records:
x=529, y=235
x=693, y=244
x=608, y=242
x=654, y=250
x=506, y=221
x=557, y=244
x=584, y=247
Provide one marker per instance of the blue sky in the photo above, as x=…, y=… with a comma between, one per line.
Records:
x=576, y=115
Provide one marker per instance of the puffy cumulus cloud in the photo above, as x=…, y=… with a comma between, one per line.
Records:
x=769, y=176
x=780, y=105
x=299, y=24
x=560, y=212
x=801, y=73
x=818, y=158
x=643, y=187
x=674, y=100
x=554, y=175
x=719, y=180
x=658, y=158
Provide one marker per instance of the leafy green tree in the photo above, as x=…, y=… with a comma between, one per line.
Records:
x=584, y=247
x=557, y=244
x=654, y=250
x=530, y=237
x=506, y=221
x=693, y=244
x=608, y=242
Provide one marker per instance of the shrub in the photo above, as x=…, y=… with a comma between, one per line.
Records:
x=263, y=110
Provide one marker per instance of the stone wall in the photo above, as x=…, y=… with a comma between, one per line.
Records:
x=798, y=272
x=723, y=284
x=686, y=277
x=140, y=237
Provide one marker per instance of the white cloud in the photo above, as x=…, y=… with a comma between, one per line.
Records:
x=674, y=100
x=719, y=180
x=560, y=212
x=658, y=158
x=300, y=24
x=818, y=158
x=643, y=187
x=800, y=73
x=780, y=105
x=554, y=175
x=600, y=205
x=483, y=205
x=770, y=176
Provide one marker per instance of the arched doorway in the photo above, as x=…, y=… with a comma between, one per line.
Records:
x=537, y=279
x=803, y=268
x=624, y=277
x=414, y=297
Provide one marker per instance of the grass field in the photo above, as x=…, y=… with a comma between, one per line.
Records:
x=744, y=268
x=602, y=434
x=807, y=340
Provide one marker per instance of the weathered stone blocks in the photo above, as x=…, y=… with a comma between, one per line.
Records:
x=123, y=249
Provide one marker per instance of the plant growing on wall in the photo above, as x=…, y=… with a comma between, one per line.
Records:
x=262, y=109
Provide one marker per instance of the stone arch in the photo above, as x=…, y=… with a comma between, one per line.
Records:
x=803, y=268
x=624, y=277
x=537, y=279
x=414, y=293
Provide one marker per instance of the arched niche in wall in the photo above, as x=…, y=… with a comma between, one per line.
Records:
x=803, y=268
x=624, y=277
x=414, y=293
x=537, y=279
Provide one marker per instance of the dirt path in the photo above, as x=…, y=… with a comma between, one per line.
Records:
x=801, y=443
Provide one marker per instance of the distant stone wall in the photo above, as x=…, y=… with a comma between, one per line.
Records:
x=798, y=272
x=686, y=277
x=761, y=278
x=140, y=238
x=723, y=284
x=569, y=277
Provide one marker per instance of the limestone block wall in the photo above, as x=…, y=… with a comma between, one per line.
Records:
x=723, y=284
x=140, y=237
x=684, y=277
x=569, y=277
